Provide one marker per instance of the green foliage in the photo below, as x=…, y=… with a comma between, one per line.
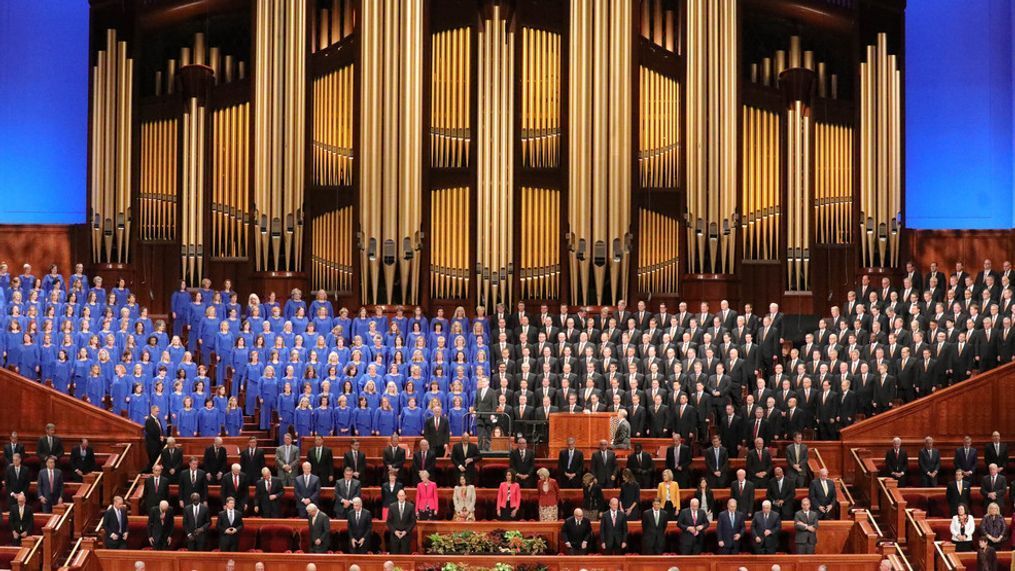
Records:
x=496, y=542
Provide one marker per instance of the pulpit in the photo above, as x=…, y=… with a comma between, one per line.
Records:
x=587, y=429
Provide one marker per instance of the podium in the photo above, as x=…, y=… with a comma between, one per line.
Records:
x=587, y=429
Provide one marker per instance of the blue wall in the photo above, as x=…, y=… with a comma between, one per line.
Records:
x=959, y=144
x=43, y=110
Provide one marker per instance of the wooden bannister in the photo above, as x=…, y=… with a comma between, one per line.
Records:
x=87, y=502
x=919, y=540
x=56, y=534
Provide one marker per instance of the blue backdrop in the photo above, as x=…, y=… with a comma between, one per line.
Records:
x=43, y=110
x=959, y=114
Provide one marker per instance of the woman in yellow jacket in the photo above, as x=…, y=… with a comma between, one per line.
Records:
x=669, y=493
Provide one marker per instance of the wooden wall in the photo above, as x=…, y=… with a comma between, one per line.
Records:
x=968, y=246
x=42, y=245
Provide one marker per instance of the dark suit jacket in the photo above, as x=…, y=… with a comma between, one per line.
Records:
x=153, y=496
x=818, y=496
x=320, y=530
x=262, y=499
x=171, y=459
x=51, y=490
x=405, y=522
x=459, y=455
x=44, y=450
x=27, y=523
x=394, y=458
x=991, y=456
x=198, y=525
x=965, y=461
x=111, y=525
x=11, y=449
x=360, y=461
x=787, y=495
x=418, y=464
x=575, y=534
x=362, y=529
x=354, y=489
x=760, y=523
x=161, y=531
x=241, y=493
x=604, y=470
x=999, y=487
x=439, y=438
x=223, y=523
x=612, y=534
x=85, y=462
x=958, y=495
x=725, y=529
x=526, y=467
x=153, y=438
x=215, y=462
x=653, y=537
x=187, y=487
x=323, y=467
x=745, y=499
x=896, y=462
x=251, y=464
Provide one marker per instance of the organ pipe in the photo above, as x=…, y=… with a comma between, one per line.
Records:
x=158, y=191
x=332, y=129
x=332, y=246
x=658, y=252
x=712, y=113
x=833, y=187
x=880, y=156
x=110, y=180
x=495, y=160
x=334, y=24
x=540, y=229
x=600, y=147
x=540, y=68
x=230, y=168
x=761, y=205
x=450, y=114
x=191, y=192
x=659, y=131
x=449, y=255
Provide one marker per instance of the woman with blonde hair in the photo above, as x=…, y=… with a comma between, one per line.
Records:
x=993, y=527
x=549, y=495
x=669, y=492
x=592, y=496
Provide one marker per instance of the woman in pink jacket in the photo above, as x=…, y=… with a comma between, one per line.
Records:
x=509, y=497
x=426, y=497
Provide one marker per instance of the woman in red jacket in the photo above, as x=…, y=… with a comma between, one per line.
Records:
x=509, y=497
x=426, y=497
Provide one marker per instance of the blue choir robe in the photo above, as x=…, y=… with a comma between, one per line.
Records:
x=95, y=390
x=209, y=422
x=62, y=371
x=317, y=304
x=411, y=422
x=286, y=407
x=138, y=407
x=252, y=388
x=303, y=420
x=457, y=419
x=292, y=305
x=363, y=421
x=430, y=396
x=187, y=422
x=234, y=421
x=240, y=363
x=373, y=399
x=342, y=417
x=179, y=304
x=194, y=317
x=160, y=400
x=176, y=405
x=385, y=422
x=324, y=421
x=29, y=361
x=269, y=400
x=221, y=403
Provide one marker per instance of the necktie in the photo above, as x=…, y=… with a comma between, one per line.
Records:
x=656, y=512
x=195, y=514
x=51, y=480
x=694, y=517
x=193, y=477
x=613, y=516
x=156, y=483
x=230, y=517
x=306, y=480
x=236, y=482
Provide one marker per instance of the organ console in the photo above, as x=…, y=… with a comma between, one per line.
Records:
x=471, y=153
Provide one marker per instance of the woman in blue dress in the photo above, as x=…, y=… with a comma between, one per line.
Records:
x=370, y=393
x=363, y=418
x=138, y=405
x=342, y=416
x=268, y=397
x=457, y=417
x=209, y=420
x=187, y=418
x=303, y=419
x=179, y=304
x=160, y=398
x=411, y=390
x=285, y=404
x=411, y=419
x=176, y=399
x=234, y=418
x=434, y=394
x=224, y=342
x=120, y=389
x=200, y=392
x=95, y=387
x=394, y=397
x=221, y=399
x=385, y=419
x=324, y=418
x=252, y=382
x=62, y=372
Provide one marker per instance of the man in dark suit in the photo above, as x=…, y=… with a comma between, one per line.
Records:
x=523, y=462
x=171, y=459
x=930, y=463
x=393, y=456
x=782, y=493
x=401, y=523
x=765, y=528
x=653, y=529
x=252, y=458
x=356, y=459
x=996, y=452
x=730, y=528
x=423, y=459
x=196, y=521
x=13, y=447
x=958, y=491
x=193, y=480
x=49, y=445
x=570, y=465
x=267, y=494
x=693, y=522
x=742, y=490
x=759, y=464
x=346, y=491
x=16, y=479
x=236, y=485
x=154, y=438
x=994, y=487
x=897, y=461
x=360, y=525
x=717, y=462
x=437, y=432
x=613, y=530
x=320, y=529
x=21, y=520
x=484, y=404
x=822, y=493
x=796, y=461
x=965, y=458
x=678, y=461
x=464, y=456
x=50, y=486
x=604, y=465
x=114, y=522
x=322, y=462
x=215, y=461
x=230, y=525
x=577, y=533
x=307, y=489
x=82, y=460
x=156, y=489
x=642, y=466
x=160, y=527
x=806, y=523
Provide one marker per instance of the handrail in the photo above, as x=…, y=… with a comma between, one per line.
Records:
x=55, y=542
x=30, y=559
x=945, y=557
x=899, y=559
x=73, y=552
x=873, y=522
x=918, y=529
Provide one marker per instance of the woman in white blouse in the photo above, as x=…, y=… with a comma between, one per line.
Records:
x=962, y=529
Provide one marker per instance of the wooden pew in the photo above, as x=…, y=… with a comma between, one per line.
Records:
x=29, y=555
x=119, y=471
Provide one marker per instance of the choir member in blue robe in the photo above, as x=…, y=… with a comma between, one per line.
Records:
x=194, y=317
x=342, y=417
x=30, y=358
x=221, y=399
x=324, y=418
x=295, y=302
x=138, y=405
x=385, y=419
x=370, y=393
x=252, y=383
x=411, y=421
x=209, y=420
x=363, y=418
x=179, y=305
x=234, y=418
x=457, y=417
x=303, y=419
x=269, y=397
x=176, y=399
x=321, y=302
x=187, y=418
x=224, y=341
x=95, y=387
x=62, y=372
x=238, y=365
x=286, y=406
x=160, y=398
x=208, y=329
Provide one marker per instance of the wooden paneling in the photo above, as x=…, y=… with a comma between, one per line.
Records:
x=969, y=246
x=41, y=245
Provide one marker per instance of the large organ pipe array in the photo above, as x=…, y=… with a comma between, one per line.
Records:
x=157, y=193
x=332, y=148
x=712, y=112
x=540, y=254
x=451, y=88
x=333, y=24
x=761, y=204
x=833, y=185
x=495, y=156
x=391, y=165
x=193, y=152
x=540, y=68
x=279, y=123
x=658, y=252
x=798, y=196
x=880, y=156
x=599, y=170
x=110, y=172
x=230, y=180
x=332, y=245
x=449, y=255
x=659, y=131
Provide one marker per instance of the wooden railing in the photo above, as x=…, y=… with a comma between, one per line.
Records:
x=864, y=536
x=87, y=502
x=893, y=507
x=893, y=552
x=117, y=472
x=57, y=534
x=945, y=557
x=30, y=557
x=82, y=557
x=919, y=540
x=865, y=477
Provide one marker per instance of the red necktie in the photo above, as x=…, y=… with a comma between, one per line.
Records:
x=236, y=482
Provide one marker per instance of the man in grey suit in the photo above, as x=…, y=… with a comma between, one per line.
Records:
x=622, y=435
x=287, y=459
x=796, y=460
x=308, y=489
x=320, y=530
x=346, y=490
x=806, y=523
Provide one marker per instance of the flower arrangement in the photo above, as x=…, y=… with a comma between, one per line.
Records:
x=496, y=542
x=496, y=567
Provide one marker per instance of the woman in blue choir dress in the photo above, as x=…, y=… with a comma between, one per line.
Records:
x=342, y=416
x=268, y=397
x=221, y=399
x=363, y=418
x=303, y=419
x=457, y=417
x=176, y=399
x=394, y=398
x=187, y=418
x=137, y=403
x=209, y=420
x=234, y=418
x=286, y=406
x=385, y=419
x=370, y=393
x=411, y=421
x=179, y=305
x=224, y=341
x=95, y=387
x=194, y=317
x=411, y=390
x=324, y=418
x=252, y=383
x=30, y=358
x=434, y=394
x=200, y=392
x=238, y=364
x=63, y=369
x=160, y=398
